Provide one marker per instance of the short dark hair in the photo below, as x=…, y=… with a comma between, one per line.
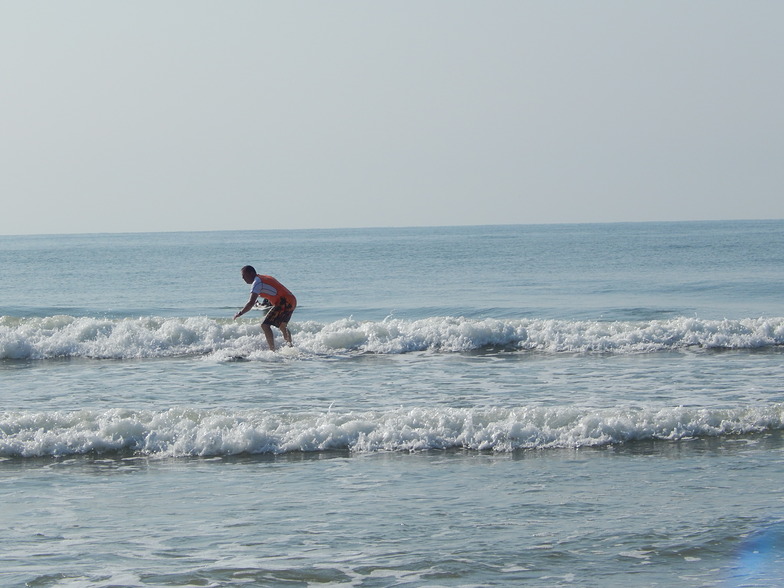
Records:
x=249, y=269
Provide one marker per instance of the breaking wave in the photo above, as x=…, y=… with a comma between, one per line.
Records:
x=182, y=432
x=151, y=337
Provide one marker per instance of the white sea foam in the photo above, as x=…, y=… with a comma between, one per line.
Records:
x=67, y=336
x=192, y=432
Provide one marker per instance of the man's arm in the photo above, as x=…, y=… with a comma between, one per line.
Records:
x=248, y=306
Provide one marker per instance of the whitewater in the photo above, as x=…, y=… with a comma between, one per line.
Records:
x=67, y=336
x=181, y=432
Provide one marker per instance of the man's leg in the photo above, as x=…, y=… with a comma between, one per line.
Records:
x=284, y=328
x=268, y=334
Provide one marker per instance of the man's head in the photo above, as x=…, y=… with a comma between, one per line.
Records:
x=248, y=274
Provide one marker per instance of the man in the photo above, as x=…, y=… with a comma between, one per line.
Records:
x=282, y=300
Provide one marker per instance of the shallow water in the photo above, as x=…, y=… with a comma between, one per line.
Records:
x=591, y=405
x=653, y=513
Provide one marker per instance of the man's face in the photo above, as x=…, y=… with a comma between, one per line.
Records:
x=248, y=277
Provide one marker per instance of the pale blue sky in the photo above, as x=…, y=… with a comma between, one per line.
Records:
x=201, y=115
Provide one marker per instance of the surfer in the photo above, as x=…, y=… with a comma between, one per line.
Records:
x=274, y=294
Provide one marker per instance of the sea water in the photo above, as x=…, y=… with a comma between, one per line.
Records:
x=563, y=405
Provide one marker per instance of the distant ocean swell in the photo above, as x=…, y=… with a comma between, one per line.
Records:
x=182, y=432
x=151, y=337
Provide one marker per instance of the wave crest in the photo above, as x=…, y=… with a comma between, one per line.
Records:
x=179, y=432
x=149, y=337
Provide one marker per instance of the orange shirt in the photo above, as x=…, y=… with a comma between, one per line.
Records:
x=269, y=288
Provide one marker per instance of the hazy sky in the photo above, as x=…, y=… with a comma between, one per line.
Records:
x=202, y=115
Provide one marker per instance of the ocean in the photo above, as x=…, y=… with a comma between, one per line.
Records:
x=546, y=405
